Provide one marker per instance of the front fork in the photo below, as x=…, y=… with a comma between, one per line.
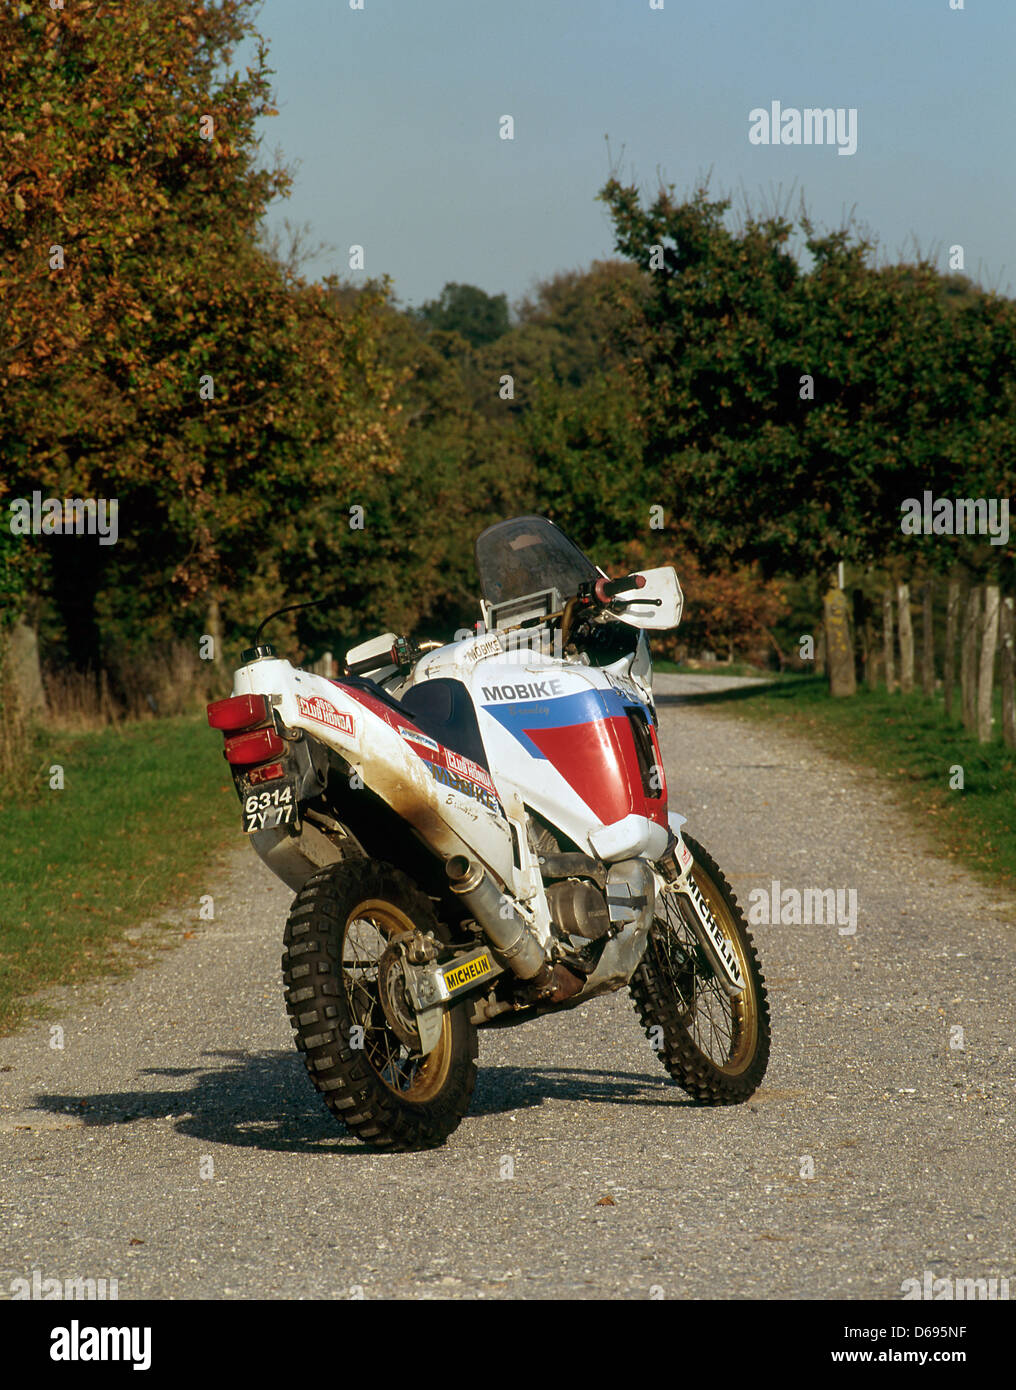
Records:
x=700, y=918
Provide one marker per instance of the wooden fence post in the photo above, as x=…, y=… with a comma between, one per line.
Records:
x=928, y=640
x=887, y=639
x=986, y=680
x=968, y=656
x=1007, y=626
x=952, y=612
x=839, y=644
x=906, y=637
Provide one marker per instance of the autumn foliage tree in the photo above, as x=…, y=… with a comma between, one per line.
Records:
x=155, y=351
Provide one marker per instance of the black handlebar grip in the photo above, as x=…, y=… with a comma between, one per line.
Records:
x=607, y=589
x=370, y=663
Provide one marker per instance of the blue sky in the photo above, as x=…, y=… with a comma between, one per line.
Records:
x=391, y=116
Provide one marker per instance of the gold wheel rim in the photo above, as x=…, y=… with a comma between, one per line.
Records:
x=406, y=1074
x=716, y=1023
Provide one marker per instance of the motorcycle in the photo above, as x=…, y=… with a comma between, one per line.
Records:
x=478, y=834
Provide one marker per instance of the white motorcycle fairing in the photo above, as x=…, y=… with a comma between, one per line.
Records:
x=448, y=799
x=565, y=731
x=478, y=834
x=580, y=740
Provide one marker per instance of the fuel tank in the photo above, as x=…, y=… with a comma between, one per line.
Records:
x=581, y=745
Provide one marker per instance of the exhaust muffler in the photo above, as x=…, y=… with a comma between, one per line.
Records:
x=508, y=934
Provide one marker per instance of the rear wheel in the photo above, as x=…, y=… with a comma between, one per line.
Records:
x=353, y=1023
x=715, y=1047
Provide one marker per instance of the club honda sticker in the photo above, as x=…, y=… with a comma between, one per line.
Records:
x=465, y=767
x=326, y=713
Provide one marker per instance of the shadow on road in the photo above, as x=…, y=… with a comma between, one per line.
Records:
x=265, y=1100
x=501, y=1089
x=252, y=1100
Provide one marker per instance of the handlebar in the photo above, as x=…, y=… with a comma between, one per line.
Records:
x=371, y=663
x=399, y=654
x=600, y=591
x=403, y=653
x=607, y=589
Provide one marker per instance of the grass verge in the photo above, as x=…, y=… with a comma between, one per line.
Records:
x=909, y=741
x=144, y=815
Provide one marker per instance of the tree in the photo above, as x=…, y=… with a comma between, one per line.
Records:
x=470, y=312
x=793, y=412
x=164, y=357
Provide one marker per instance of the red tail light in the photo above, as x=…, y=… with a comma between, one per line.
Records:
x=239, y=712
x=248, y=719
x=255, y=747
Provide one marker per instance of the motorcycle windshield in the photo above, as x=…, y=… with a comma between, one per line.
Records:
x=526, y=555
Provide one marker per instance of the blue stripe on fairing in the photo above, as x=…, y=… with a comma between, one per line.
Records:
x=556, y=713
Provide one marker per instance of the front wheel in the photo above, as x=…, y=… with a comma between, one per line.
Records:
x=352, y=1020
x=714, y=1046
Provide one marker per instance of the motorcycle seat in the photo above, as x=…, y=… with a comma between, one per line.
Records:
x=441, y=708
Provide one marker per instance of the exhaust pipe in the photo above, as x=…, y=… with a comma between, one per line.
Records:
x=509, y=935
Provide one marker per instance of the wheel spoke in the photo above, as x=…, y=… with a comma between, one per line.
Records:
x=709, y=1014
x=366, y=938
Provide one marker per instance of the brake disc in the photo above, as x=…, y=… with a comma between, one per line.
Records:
x=395, y=1001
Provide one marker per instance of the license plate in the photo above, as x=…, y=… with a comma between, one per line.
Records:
x=272, y=807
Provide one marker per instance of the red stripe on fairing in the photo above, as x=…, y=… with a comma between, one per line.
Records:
x=376, y=706
x=393, y=720
x=443, y=757
x=599, y=762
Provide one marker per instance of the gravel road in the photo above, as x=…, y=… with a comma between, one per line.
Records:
x=175, y=1144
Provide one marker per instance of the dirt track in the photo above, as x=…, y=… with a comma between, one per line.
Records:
x=187, y=1068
